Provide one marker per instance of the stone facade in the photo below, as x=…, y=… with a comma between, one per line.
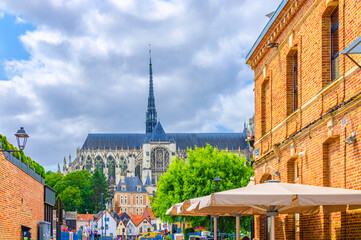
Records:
x=21, y=201
x=307, y=105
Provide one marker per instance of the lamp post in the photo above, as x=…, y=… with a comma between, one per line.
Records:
x=102, y=211
x=21, y=138
x=217, y=180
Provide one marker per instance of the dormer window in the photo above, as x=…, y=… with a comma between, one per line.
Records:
x=138, y=188
x=124, y=188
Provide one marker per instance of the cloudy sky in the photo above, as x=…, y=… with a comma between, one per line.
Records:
x=70, y=67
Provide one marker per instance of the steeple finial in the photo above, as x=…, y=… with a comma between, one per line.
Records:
x=151, y=115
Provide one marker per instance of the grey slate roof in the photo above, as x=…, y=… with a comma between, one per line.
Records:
x=114, y=141
x=131, y=184
x=159, y=134
x=147, y=181
x=183, y=140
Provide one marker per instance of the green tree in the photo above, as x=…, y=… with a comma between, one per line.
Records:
x=72, y=198
x=194, y=178
x=79, y=181
x=99, y=184
x=51, y=179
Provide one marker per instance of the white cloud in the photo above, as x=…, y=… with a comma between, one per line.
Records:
x=88, y=69
x=19, y=20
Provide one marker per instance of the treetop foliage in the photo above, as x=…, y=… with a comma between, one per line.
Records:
x=79, y=190
x=194, y=178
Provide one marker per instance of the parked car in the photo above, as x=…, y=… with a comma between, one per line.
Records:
x=149, y=235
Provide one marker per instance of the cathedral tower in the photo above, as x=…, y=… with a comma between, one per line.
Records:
x=151, y=115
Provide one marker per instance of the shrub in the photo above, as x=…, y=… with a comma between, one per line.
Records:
x=20, y=155
x=187, y=230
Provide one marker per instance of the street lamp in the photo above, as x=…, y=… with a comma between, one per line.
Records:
x=21, y=138
x=217, y=180
x=102, y=212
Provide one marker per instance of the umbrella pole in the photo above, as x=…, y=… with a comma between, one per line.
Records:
x=273, y=228
x=272, y=213
x=215, y=218
x=237, y=226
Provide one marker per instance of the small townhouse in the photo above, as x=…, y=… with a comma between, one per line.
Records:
x=106, y=223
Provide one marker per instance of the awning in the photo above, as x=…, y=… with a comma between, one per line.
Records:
x=353, y=48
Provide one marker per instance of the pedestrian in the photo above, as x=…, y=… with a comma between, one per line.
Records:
x=87, y=231
x=80, y=233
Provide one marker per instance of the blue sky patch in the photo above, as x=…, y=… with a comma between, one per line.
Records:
x=10, y=45
x=221, y=128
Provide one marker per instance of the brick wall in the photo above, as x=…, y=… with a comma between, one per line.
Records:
x=282, y=132
x=21, y=201
x=131, y=206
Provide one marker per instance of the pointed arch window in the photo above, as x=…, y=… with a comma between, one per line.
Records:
x=111, y=167
x=159, y=161
x=88, y=164
x=123, y=164
x=99, y=164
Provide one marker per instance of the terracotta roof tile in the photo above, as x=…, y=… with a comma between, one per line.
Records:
x=148, y=214
x=137, y=219
x=84, y=217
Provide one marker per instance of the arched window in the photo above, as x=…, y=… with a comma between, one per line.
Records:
x=141, y=199
x=123, y=164
x=137, y=201
x=88, y=164
x=266, y=177
x=99, y=164
x=159, y=161
x=111, y=167
x=121, y=199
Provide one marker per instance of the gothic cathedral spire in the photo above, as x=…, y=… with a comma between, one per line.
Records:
x=151, y=115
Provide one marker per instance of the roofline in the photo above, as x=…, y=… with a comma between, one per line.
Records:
x=166, y=133
x=266, y=28
x=104, y=212
x=141, y=221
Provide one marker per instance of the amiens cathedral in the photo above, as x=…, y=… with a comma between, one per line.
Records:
x=146, y=155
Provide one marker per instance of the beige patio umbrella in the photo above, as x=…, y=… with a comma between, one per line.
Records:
x=191, y=208
x=273, y=198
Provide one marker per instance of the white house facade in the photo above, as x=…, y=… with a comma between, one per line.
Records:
x=109, y=223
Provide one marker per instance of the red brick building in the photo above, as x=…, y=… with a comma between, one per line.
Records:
x=308, y=115
x=21, y=198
